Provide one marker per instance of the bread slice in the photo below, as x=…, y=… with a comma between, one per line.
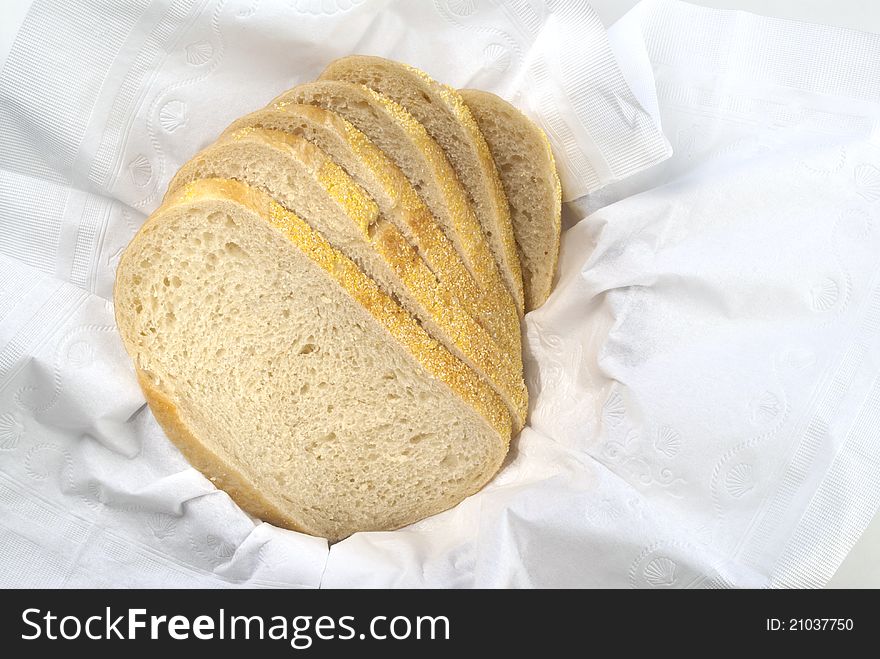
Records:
x=301, y=177
x=525, y=163
x=443, y=113
x=398, y=202
x=407, y=144
x=284, y=373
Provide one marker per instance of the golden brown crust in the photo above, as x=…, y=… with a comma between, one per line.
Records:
x=436, y=249
x=474, y=250
x=451, y=100
x=432, y=296
x=428, y=352
x=223, y=474
x=498, y=198
x=503, y=108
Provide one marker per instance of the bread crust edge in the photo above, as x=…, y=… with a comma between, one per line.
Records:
x=499, y=106
x=223, y=475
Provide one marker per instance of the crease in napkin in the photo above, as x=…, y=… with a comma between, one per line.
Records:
x=704, y=378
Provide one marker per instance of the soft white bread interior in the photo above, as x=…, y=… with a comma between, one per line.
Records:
x=420, y=158
x=284, y=373
x=302, y=178
x=525, y=163
x=443, y=113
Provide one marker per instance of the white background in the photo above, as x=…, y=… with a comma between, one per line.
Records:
x=862, y=566
x=856, y=14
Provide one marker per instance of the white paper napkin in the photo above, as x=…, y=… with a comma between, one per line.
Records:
x=99, y=105
x=704, y=377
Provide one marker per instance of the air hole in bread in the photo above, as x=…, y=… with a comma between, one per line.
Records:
x=368, y=108
x=450, y=461
x=234, y=250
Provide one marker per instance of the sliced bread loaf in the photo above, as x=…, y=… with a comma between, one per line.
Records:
x=398, y=202
x=285, y=374
x=525, y=163
x=405, y=141
x=301, y=177
x=443, y=113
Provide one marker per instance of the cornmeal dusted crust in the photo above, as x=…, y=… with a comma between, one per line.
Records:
x=531, y=183
x=477, y=256
x=457, y=329
x=420, y=225
x=359, y=68
x=432, y=356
